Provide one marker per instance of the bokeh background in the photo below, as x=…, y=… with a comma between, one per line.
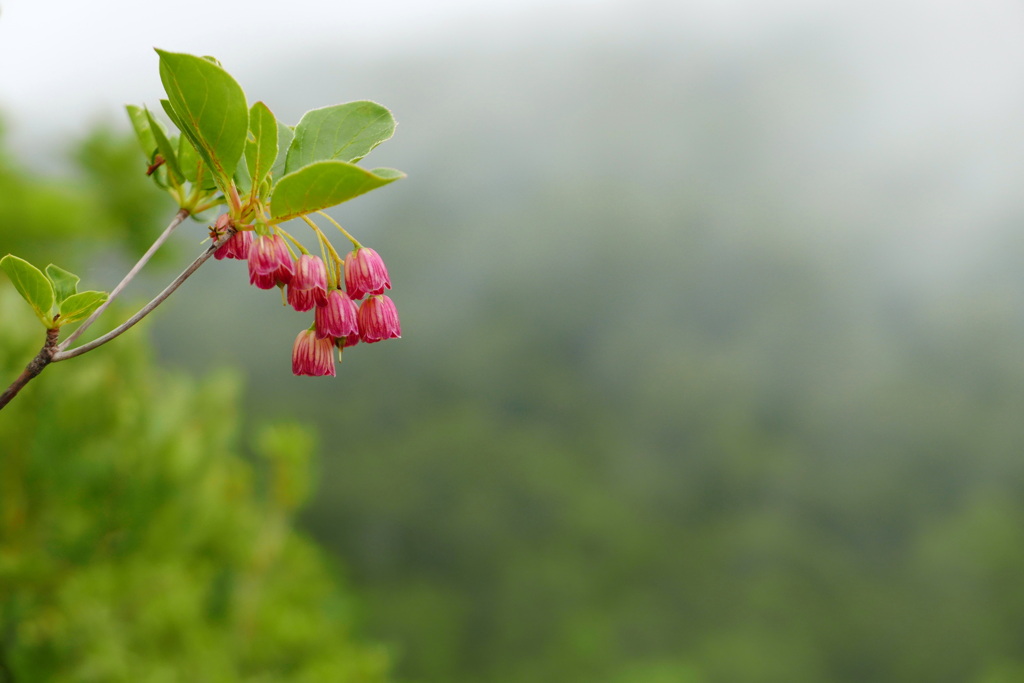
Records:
x=712, y=364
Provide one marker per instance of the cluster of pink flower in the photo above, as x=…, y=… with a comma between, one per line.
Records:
x=340, y=319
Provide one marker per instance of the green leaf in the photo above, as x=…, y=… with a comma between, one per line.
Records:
x=188, y=159
x=172, y=115
x=64, y=283
x=80, y=306
x=165, y=147
x=323, y=184
x=32, y=285
x=210, y=108
x=285, y=135
x=204, y=178
x=344, y=132
x=261, y=152
x=140, y=122
x=242, y=180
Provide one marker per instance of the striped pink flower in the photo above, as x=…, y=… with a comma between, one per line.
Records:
x=311, y=356
x=378, y=319
x=237, y=246
x=338, y=317
x=308, y=286
x=365, y=273
x=270, y=262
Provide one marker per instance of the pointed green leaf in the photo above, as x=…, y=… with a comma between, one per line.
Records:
x=80, y=306
x=344, y=132
x=165, y=147
x=172, y=114
x=261, y=151
x=210, y=108
x=204, y=177
x=64, y=283
x=140, y=122
x=323, y=184
x=285, y=135
x=188, y=159
x=192, y=165
x=32, y=285
x=242, y=180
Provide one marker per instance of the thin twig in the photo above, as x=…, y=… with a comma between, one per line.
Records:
x=178, y=219
x=51, y=351
x=148, y=308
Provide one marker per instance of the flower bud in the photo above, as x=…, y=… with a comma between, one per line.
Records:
x=378, y=320
x=365, y=273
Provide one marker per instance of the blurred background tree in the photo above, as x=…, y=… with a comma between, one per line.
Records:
x=666, y=417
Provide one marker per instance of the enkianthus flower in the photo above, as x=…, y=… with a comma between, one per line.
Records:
x=378, y=319
x=270, y=262
x=311, y=356
x=237, y=246
x=308, y=286
x=338, y=317
x=365, y=273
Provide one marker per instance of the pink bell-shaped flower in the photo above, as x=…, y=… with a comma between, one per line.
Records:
x=308, y=286
x=365, y=273
x=270, y=262
x=237, y=246
x=311, y=356
x=338, y=317
x=378, y=319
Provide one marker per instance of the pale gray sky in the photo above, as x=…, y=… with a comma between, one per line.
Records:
x=98, y=55
x=60, y=59
x=99, y=51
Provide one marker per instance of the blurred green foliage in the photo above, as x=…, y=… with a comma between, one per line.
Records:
x=137, y=543
x=687, y=415
x=102, y=196
x=777, y=491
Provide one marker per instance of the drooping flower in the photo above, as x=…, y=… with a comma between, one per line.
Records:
x=338, y=317
x=378, y=319
x=262, y=281
x=308, y=286
x=311, y=356
x=270, y=262
x=365, y=273
x=237, y=246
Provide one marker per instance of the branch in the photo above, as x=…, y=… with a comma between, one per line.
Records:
x=36, y=365
x=148, y=308
x=52, y=352
x=175, y=222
